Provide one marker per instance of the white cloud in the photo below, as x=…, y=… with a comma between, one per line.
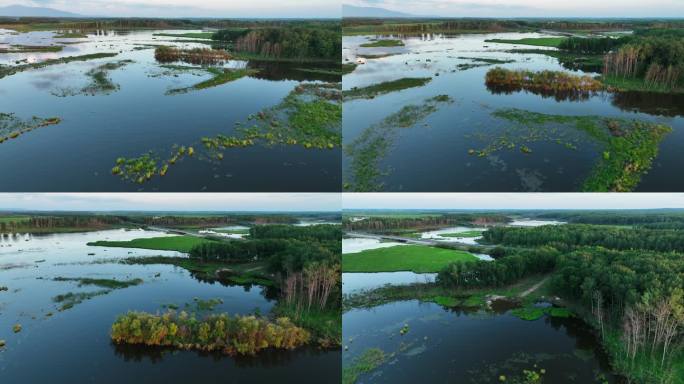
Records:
x=292, y=202
x=512, y=200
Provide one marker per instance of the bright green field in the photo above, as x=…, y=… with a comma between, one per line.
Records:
x=538, y=42
x=168, y=243
x=415, y=258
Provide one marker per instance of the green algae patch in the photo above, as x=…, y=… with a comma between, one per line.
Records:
x=374, y=90
x=71, y=299
x=12, y=127
x=367, y=151
x=220, y=76
x=383, y=43
x=535, y=313
x=628, y=147
x=368, y=361
x=11, y=70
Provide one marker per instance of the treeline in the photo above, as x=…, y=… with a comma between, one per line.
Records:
x=305, y=260
x=596, y=45
x=389, y=223
x=47, y=222
x=636, y=295
x=290, y=42
x=505, y=270
x=633, y=218
x=211, y=220
x=567, y=237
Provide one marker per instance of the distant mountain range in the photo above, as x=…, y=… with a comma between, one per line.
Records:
x=20, y=10
x=354, y=11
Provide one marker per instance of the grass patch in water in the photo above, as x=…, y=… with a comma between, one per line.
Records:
x=625, y=84
x=324, y=325
x=383, y=43
x=367, y=151
x=569, y=60
x=69, y=300
x=629, y=146
x=11, y=70
x=415, y=258
x=368, y=361
x=231, y=335
x=32, y=48
x=220, y=76
x=310, y=116
x=12, y=127
x=374, y=90
x=536, y=41
x=104, y=283
x=529, y=313
x=558, y=84
x=348, y=68
x=165, y=243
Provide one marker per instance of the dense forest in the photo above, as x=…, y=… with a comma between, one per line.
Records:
x=305, y=260
x=390, y=223
x=567, y=237
x=12, y=224
x=626, y=282
x=290, y=42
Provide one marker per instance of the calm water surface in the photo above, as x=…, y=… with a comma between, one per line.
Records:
x=79, y=153
x=433, y=154
x=74, y=345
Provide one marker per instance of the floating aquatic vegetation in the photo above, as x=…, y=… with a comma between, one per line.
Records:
x=374, y=90
x=383, y=43
x=11, y=70
x=628, y=146
x=231, y=335
x=348, y=68
x=480, y=62
x=16, y=328
x=166, y=54
x=100, y=83
x=372, y=145
x=368, y=361
x=221, y=76
x=12, y=127
x=310, y=116
x=69, y=300
x=105, y=283
x=32, y=48
x=558, y=84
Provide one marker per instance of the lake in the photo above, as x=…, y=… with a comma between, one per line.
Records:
x=74, y=345
x=439, y=152
x=138, y=117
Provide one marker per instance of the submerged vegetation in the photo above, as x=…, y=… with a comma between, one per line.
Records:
x=366, y=362
x=536, y=41
x=373, y=144
x=232, y=335
x=11, y=70
x=12, y=127
x=104, y=283
x=629, y=147
x=220, y=76
x=100, y=83
x=310, y=116
x=374, y=90
x=31, y=48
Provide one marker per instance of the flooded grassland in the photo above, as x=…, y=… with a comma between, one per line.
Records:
x=477, y=112
x=161, y=110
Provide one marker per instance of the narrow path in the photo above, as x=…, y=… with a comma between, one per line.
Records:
x=535, y=287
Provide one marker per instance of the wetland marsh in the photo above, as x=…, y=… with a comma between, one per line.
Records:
x=164, y=110
x=560, y=127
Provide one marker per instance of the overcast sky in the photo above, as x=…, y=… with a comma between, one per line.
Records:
x=292, y=202
x=531, y=8
x=188, y=8
x=512, y=200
